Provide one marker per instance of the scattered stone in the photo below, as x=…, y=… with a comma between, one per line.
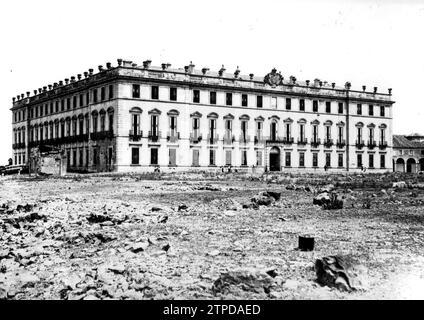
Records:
x=243, y=280
x=155, y=209
x=341, y=272
x=182, y=207
x=162, y=219
x=166, y=247
x=141, y=246
x=98, y=218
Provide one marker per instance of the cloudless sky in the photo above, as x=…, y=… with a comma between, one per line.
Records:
x=367, y=42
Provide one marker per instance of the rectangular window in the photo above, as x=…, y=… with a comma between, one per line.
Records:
x=315, y=106
x=68, y=104
x=74, y=158
x=196, y=96
x=274, y=103
x=244, y=100
x=110, y=92
x=102, y=94
x=359, y=160
x=288, y=159
x=36, y=112
x=288, y=104
x=382, y=111
x=382, y=161
x=228, y=157
x=315, y=159
x=212, y=97
x=211, y=157
x=135, y=155
x=153, y=156
x=302, y=104
x=57, y=106
x=81, y=100
x=370, y=110
x=87, y=157
x=328, y=106
x=41, y=113
x=259, y=158
x=173, y=94
x=371, y=161
x=359, y=108
x=328, y=159
x=229, y=99
x=81, y=157
x=95, y=96
x=87, y=98
x=136, y=91
x=62, y=105
x=172, y=157
x=155, y=92
x=51, y=107
x=340, y=160
x=74, y=102
x=244, y=157
x=195, y=157
x=340, y=107
x=301, y=159
x=259, y=101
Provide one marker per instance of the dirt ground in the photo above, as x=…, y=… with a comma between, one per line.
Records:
x=171, y=236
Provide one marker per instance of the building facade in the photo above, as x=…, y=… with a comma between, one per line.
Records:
x=408, y=153
x=136, y=118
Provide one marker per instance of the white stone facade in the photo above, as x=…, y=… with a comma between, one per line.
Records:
x=131, y=121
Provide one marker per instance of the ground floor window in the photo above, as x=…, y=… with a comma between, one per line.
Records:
x=211, y=157
x=371, y=160
x=359, y=160
x=16, y=159
x=382, y=161
x=301, y=159
x=172, y=157
x=195, y=157
x=68, y=158
x=315, y=159
x=74, y=158
x=23, y=158
x=340, y=159
x=19, y=157
x=228, y=157
x=259, y=158
x=135, y=155
x=243, y=157
x=328, y=159
x=153, y=156
x=87, y=157
x=288, y=159
x=81, y=157
x=95, y=156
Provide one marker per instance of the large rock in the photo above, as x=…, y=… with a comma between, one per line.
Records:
x=243, y=280
x=342, y=272
x=321, y=199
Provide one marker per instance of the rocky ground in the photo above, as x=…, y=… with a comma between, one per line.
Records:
x=206, y=236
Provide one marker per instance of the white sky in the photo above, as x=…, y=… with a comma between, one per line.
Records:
x=367, y=42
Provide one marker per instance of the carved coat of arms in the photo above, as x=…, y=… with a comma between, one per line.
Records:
x=273, y=78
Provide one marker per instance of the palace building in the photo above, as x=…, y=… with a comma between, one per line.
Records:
x=136, y=118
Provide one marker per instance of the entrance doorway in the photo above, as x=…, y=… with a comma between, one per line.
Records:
x=410, y=165
x=274, y=159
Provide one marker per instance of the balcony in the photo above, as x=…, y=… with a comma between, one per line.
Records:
x=154, y=136
x=20, y=145
x=288, y=140
x=302, y=141
x=360, y=144
x=229, y=138
x=244, y=139
x=371, y=144
x=212, y=139
x=259, y=139
x=328, y=143
x=382, y=144
x=173, y=136
x=274, y=139
x=101, y=135
x=341, y=144
x=195, y=137
x=315, y=142
x=135, y=135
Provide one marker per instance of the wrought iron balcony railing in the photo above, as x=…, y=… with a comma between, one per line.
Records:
x=154, y=136
x=173, y=136
x=135, y=135
x=302, y=141
x=212, y=139
x=244, y=139
x=259, y=139
x=101, y=135
x=288, y=140
x=360, y=144
x=371, y=144
x=328, y=143
x=341, y=144
x=315, y=142
x=195, y=137
x=229, y=138
x=274, y=139
x=382, y=144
